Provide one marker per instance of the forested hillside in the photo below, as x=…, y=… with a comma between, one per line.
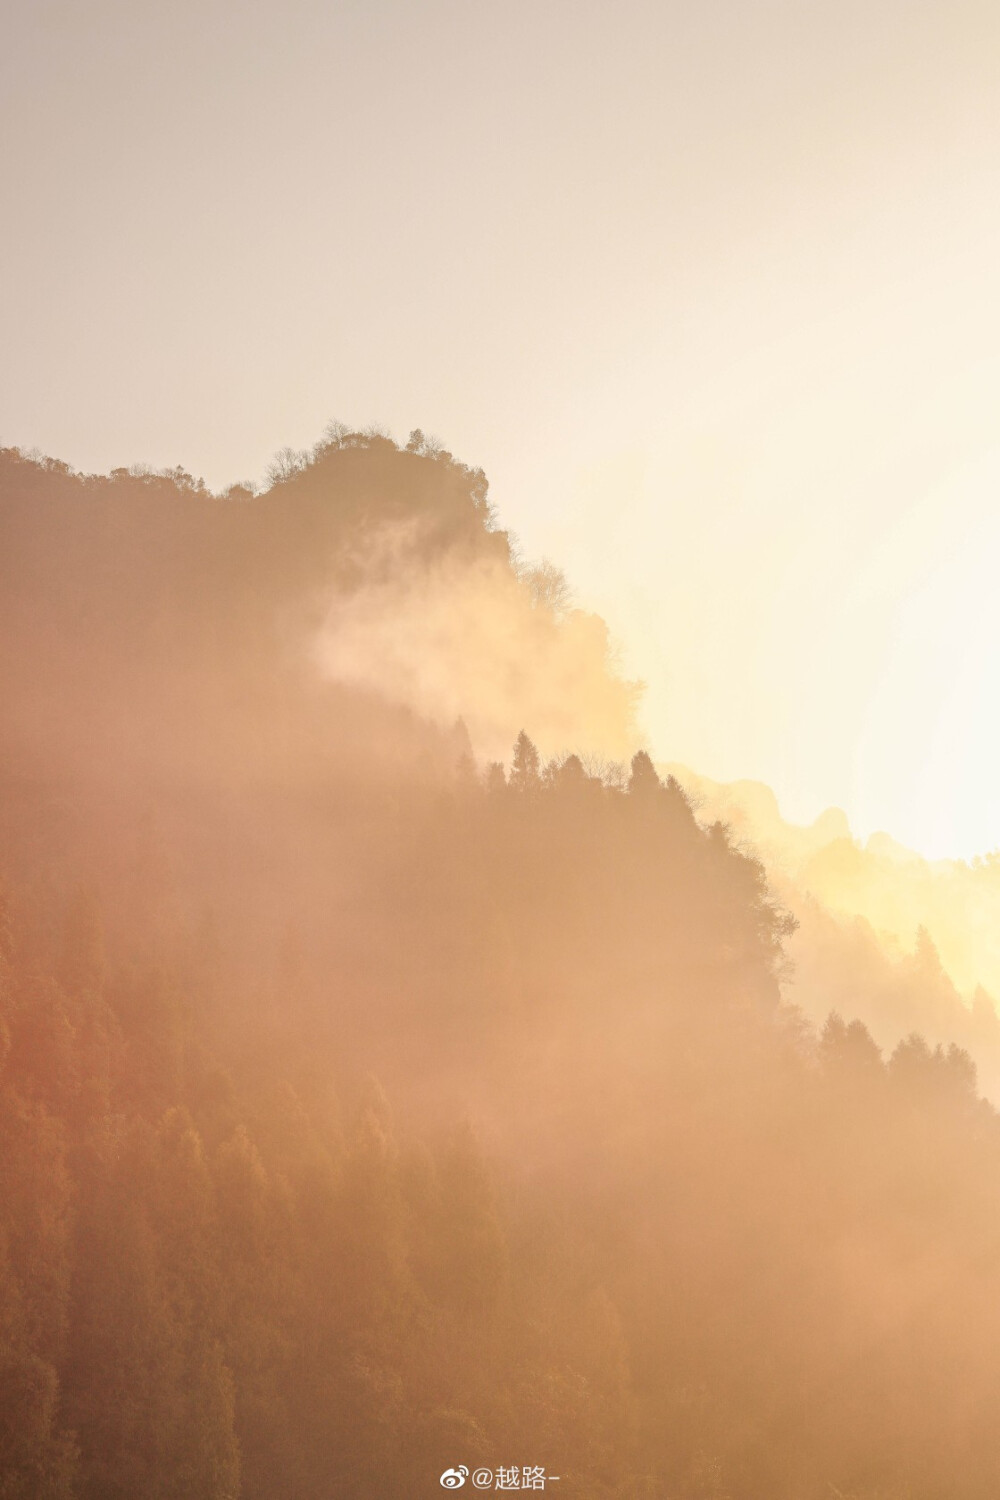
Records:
x=914, y=942
x=374, y=1102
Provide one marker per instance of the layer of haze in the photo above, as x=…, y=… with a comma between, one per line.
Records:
x=709, y=291
x=613, y=1201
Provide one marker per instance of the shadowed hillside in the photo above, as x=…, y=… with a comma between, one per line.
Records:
x=154, y=631
x=371, y=1106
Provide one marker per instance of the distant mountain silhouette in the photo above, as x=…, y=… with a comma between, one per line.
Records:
x=866, y=913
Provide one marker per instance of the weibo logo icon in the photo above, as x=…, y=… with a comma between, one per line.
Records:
x=453, y=1479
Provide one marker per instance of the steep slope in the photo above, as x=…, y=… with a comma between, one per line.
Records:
x=611, y=1211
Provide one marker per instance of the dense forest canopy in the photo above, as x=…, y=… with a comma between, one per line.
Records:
x=375, y=1101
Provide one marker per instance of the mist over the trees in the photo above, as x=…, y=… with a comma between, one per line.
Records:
x=913, y=941
x=397, y=1073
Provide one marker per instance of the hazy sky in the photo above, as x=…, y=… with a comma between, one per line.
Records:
x=710, y=290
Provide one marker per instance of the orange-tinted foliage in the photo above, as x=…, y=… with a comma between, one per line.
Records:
x=612, y=1207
